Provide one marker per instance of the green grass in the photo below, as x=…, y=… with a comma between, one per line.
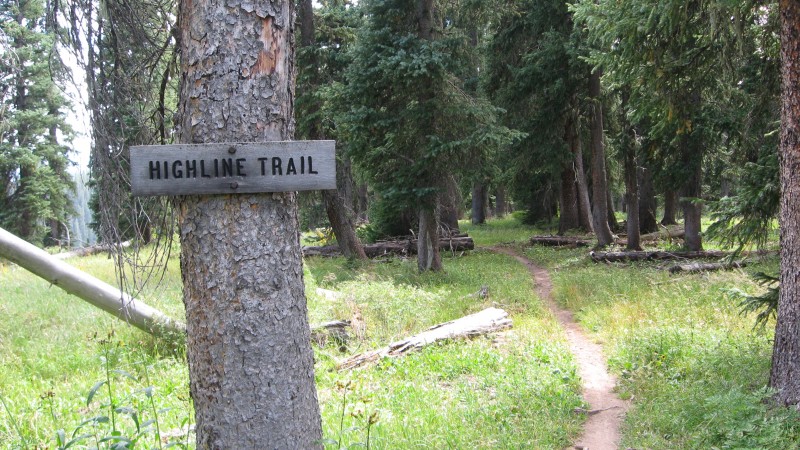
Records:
x=693, y=367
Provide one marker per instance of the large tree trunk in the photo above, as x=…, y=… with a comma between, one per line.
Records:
x=428, y=256
x=251, y=366
x=670, y=205
x=599, y=177
x=785, y=373
x=612, y=217
x=647, y=202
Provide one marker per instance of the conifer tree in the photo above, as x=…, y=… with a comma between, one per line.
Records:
x=33, y=157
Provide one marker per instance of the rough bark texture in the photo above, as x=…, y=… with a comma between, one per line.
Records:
x=785, y=374
x=647, y=202
x=428, y=257
x=251, y=365
x=599, y=177
x=670, y=205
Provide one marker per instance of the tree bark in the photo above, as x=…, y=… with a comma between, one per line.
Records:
x=692, y=210
x=575, y=147
x=251, y=366
x=428, y=256
x=478, y=203
x=647, y=202
x=670, y=205
x=501, y=203
x=568, y=217
x=599, y=178
x=632, y=192
x=785, y=373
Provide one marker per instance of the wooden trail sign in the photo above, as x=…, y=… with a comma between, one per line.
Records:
x=231, y=168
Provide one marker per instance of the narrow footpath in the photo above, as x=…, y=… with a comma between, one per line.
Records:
x=606, y=410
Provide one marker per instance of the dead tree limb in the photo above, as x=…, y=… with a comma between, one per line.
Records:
x=401, y=247
x=654, y=255
x=487, y=321
x=705, y=267
x=560, y=241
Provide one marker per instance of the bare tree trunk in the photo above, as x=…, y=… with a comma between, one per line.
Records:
x=670, y=205
x=785, y=373
x=599, y=177
x=500, y=198
x=251, y=366
x=647, y=202
x=568, y=217
x=478, y=203
x=692, y=211
x=631, y=189
x=428, y=256
x=584, y=207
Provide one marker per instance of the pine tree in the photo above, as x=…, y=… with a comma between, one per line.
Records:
x=33, y=161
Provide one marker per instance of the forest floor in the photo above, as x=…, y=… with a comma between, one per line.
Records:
x=689, y=364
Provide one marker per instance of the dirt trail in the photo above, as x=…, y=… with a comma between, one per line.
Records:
x=606, y=410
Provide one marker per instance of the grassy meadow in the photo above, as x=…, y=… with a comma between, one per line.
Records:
x=693, y=367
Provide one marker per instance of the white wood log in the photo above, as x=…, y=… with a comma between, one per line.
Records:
x=487, y=321
x=86, y=287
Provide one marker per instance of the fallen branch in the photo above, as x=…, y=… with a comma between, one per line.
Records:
x=667, y=233
x=559, y=241
x=653, y=255
x=487, y=321
x=400, y=247
x=705, y=267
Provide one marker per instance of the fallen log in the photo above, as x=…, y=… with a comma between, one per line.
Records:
x=705, y=267
x=653, y=255
x=86, y=287
x=666, y=233
x=92, y=250
x=404, y=247
x=335, y=330
x=559, y=241
x=487, y=321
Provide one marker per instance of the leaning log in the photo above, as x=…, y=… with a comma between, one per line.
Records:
x=100, y=294
x=653, y=255
x=705, y=267
x=400, y=247
x=487, y=321
x=559, y=241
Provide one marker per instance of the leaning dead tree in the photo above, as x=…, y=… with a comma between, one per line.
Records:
x=88, y=288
